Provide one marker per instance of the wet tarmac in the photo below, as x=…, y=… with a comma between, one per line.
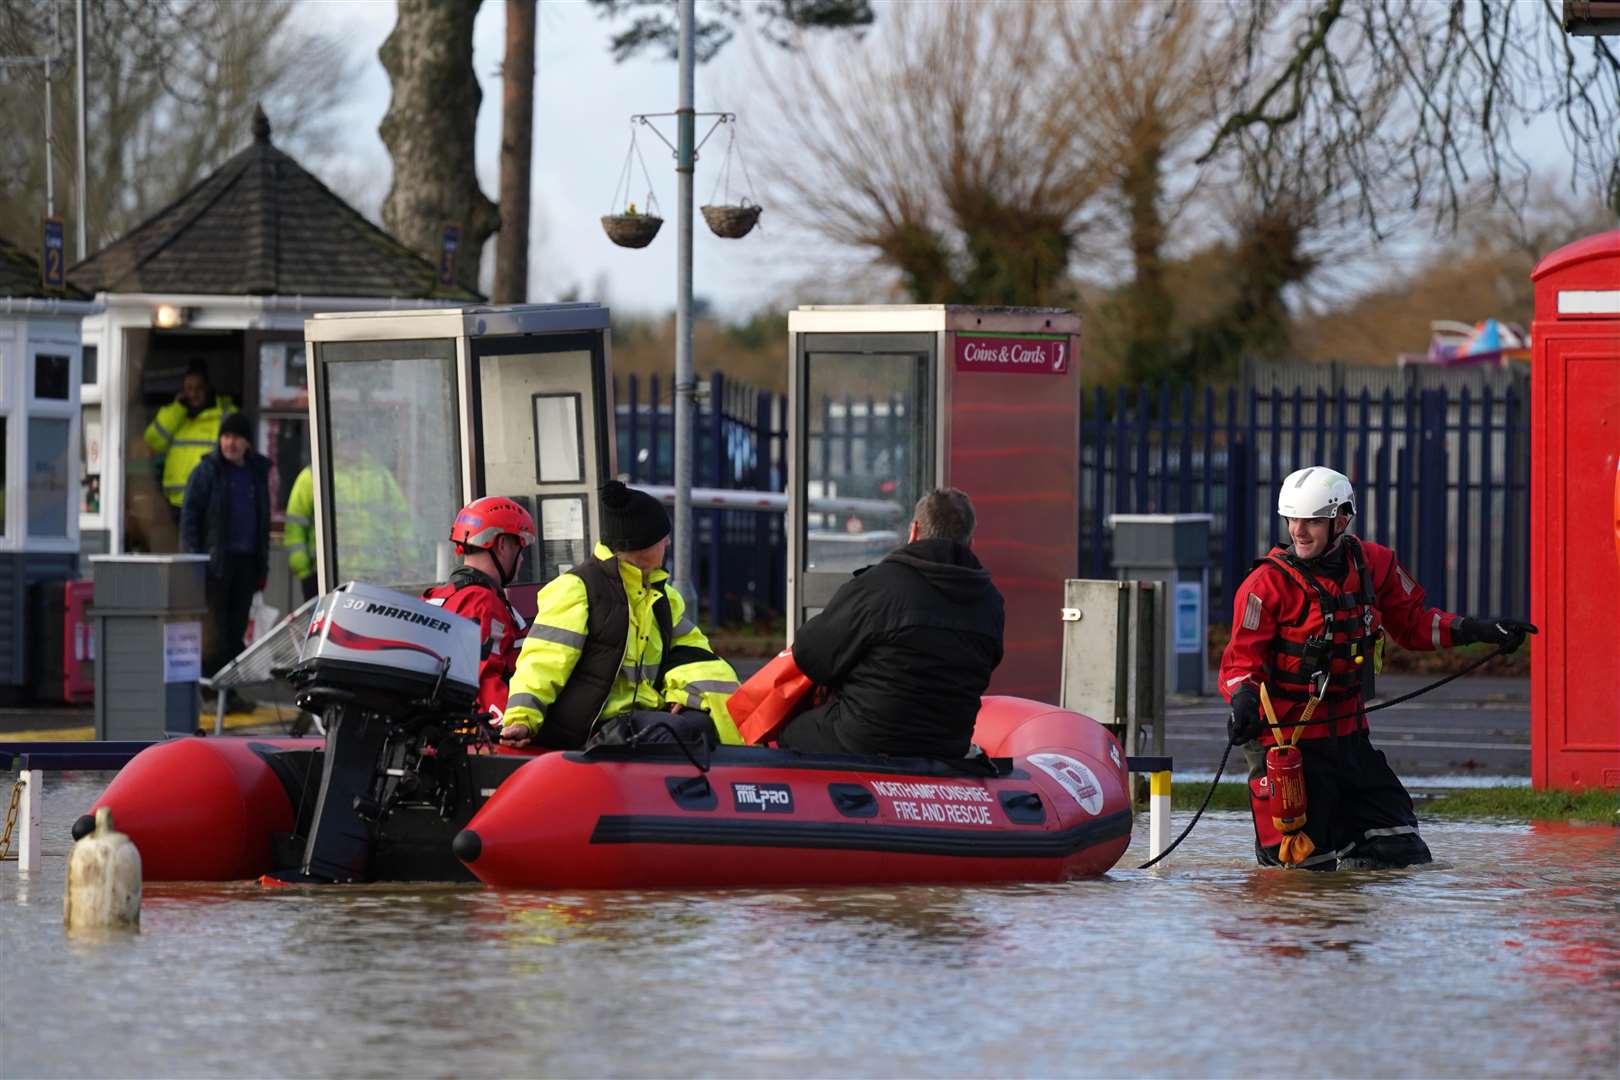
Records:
x=1503, y=959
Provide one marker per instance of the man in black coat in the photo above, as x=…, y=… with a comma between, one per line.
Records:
x=226, y=516
x=906, y=647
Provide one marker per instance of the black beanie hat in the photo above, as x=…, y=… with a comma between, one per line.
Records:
x=237, y=424
x=631, y=519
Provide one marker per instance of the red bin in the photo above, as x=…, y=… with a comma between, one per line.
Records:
x=64, y=652
x=1574, y=508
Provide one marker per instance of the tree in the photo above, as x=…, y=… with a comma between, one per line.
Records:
x=517, y=155
x=1407, y=102
x=980, y=149
x=654, y=24
x=942, y=152
x=429, y=131
x=1142, y=75
x=171, y=92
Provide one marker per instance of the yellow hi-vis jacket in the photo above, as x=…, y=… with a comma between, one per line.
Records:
x=557, y=637
x=183, y=440
x=300, y=531
x=376, y=535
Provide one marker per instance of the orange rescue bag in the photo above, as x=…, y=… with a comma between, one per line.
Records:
x=773, y=695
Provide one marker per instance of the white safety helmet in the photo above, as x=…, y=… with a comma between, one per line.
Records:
x=1315, y=493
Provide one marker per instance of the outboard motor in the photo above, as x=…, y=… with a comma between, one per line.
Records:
x=381, y=669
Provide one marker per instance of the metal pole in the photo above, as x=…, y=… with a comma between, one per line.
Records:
x=50, y=147
x=82, y=169
x=685, y=382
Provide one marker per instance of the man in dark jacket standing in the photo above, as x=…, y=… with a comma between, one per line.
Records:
x=226, y=516
x=906, y=647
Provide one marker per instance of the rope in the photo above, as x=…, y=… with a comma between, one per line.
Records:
x=617, y=205
x=1208, y=795
x=724, y=174
x=651, y=205
x=11, y=820
x=1501, y=650
x=641, y=736
x=749, y=180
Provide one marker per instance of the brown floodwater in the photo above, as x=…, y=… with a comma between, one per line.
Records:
x=1501, y=959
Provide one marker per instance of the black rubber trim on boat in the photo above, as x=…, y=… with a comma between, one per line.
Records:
x=904, y=839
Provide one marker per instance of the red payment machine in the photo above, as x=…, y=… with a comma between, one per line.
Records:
x=888, y=402
x=1575, y=516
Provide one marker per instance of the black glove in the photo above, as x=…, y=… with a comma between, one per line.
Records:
x=1244, y=724
x=1507, y=634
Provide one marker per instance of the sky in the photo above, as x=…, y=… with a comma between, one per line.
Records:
x=583, y=102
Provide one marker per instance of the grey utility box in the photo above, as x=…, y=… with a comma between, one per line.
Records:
x=1173, y=549
x=149, y=612
x=1113, y=656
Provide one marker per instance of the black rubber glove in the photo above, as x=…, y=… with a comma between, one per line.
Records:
x=1507, y=634
x=1244, y=724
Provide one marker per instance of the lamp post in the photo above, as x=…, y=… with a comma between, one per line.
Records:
x=685, y=149
x=637, y=230
x=685, y=381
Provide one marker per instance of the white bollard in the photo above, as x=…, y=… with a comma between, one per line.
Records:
x=1158, y=813
x=29, y=818
x=103, y=881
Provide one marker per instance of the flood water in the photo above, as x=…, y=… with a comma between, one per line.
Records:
x=1503, y=959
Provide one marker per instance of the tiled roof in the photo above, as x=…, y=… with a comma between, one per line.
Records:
x=262, y=225
x=19, y=276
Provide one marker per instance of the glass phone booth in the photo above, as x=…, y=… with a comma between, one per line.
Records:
x=415, y=413
x=889, y=402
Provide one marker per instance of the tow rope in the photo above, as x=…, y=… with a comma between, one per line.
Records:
x=1501, y=650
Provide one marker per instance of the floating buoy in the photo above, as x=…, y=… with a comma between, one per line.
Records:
x=103, y=880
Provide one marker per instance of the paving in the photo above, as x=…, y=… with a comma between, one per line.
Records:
x=1477, y=726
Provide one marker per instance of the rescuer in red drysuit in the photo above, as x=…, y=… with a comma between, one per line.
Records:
x=492, y=534
x=1359, y=816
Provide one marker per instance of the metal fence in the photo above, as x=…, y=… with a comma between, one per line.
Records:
x=1439, y=458
x=1440, y=469
x=741, y=444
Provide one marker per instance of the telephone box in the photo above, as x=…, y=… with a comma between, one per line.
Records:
x=414, y=413
x=888, y=402
x=1575, y=516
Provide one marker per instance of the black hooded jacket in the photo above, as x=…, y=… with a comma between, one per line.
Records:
x=203, y=514
x=907, y=648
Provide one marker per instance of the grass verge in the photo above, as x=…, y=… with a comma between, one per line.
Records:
x=1515, y=803
x=1587, y=804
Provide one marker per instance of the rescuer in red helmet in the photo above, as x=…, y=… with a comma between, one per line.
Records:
x=492, y=534
x=1308, y=625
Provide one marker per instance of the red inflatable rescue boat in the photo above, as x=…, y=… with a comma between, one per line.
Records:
x=611, y=818
x=1047, y=802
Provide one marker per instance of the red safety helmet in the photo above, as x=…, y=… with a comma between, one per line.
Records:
x=484, y=521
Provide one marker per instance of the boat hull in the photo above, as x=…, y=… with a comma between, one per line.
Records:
x=762, y=817
x=226, y=809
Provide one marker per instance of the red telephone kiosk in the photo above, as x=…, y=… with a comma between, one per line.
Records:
x=1575, y=516
x=415, y=413
x=888, y=402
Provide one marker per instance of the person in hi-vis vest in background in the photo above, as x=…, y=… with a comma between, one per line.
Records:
x=299, y=534
x=185, y=431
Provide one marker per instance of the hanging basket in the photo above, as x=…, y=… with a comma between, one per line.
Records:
x=632, y=230
x=732, y=222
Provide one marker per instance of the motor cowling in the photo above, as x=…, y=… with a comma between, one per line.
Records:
x=386, y=672
x=385, y=652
